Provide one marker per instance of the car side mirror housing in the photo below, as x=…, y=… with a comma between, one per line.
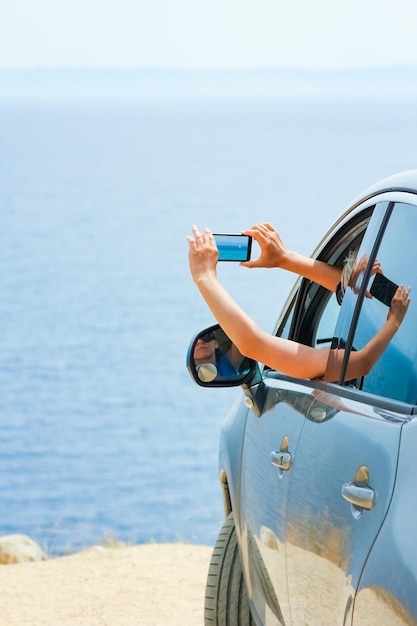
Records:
x=214, y=361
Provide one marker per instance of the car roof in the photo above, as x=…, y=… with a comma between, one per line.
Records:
x=404, y=181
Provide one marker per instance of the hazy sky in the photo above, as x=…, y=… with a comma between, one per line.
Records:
x=208, y=33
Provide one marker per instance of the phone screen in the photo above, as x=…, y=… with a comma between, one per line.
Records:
x=383, y=289
x=233, y=247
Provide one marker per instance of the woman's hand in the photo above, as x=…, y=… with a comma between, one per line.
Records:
x=273, y=251
x=275, y=254
x=399, y=306
x=358, y=269
x=203, y=254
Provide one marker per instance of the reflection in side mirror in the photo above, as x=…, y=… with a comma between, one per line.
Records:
x=214, y=361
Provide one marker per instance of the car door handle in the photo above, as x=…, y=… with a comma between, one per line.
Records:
x=281, y=460
x=361, y=497
x=358, y=492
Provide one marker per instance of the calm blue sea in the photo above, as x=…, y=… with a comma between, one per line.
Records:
x=102, y=432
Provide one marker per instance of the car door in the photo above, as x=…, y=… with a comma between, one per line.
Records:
x=344, y=471
x=339, y=492
x=271, y=440
x=271, y=443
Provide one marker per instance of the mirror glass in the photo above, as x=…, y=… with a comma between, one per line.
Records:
x=213, y=360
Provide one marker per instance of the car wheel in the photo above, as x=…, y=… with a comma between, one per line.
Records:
x=227, y=602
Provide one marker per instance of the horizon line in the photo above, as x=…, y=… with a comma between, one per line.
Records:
x=263, y=68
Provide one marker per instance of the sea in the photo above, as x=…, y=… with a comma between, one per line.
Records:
x=103, y=435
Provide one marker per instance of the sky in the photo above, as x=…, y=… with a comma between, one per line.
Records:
x=208, y=34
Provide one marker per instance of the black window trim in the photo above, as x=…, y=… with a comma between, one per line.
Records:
x=325, y=254
x=361, y=295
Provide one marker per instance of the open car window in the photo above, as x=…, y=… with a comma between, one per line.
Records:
x=317, y=310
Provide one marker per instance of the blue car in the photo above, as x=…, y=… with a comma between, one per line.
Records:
x=319, y=478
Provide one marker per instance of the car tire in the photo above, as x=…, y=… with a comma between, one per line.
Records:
x=227, y=602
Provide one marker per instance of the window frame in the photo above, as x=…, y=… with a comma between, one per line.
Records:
x=400, y=217
x=293, y=319
x=307, y=316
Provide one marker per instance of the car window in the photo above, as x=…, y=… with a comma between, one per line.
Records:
x=316, y=318
x=327, y=323
x=317, y=309
x=394, y=375
x=284, y=326
x=343, y=341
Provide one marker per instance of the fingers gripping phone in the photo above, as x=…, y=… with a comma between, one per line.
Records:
x=233, y=247
x=383, y=289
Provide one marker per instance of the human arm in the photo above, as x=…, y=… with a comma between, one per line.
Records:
x=281, y=354
x=362, y=361
x=275, y=254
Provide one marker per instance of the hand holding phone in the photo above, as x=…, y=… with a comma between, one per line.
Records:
x=233, y=247
x=383, y=289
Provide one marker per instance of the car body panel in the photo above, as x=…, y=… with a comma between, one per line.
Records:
x=230, y=455
x=265, y=486
x=328, y=537
x=387, y=591
x=297, y=527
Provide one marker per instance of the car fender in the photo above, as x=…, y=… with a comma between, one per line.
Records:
x=230, y=455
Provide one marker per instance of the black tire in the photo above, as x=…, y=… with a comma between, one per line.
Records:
x=227, y=602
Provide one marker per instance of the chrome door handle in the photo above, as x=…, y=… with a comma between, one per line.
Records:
x=281, y=459
x=361, y=497
x=358, y=492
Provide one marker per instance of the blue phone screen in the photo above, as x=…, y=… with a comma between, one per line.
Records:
x=233, y=247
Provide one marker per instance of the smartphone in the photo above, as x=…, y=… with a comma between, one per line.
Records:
x=383, y=289
x=233, y=247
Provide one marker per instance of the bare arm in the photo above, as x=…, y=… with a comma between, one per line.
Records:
x=362, y=361
x=284, y=355
x=275, y=254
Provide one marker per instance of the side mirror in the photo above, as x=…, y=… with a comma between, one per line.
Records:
x=214, y=361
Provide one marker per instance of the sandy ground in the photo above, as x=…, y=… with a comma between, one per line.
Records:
x=146, y=585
